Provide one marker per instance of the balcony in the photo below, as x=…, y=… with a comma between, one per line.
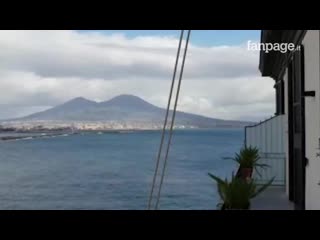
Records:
x=269, y=137
x=274, y=198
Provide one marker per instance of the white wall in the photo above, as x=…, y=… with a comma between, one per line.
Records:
x=312, y=119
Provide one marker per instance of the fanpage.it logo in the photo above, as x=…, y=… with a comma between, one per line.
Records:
x=268, y=47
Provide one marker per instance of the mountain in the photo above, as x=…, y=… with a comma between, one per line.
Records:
x=124, y=108
x=129, y=102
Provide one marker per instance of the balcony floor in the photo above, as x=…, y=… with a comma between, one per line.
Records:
x=273, y=198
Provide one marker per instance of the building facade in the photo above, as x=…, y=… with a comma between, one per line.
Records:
x=296, y=75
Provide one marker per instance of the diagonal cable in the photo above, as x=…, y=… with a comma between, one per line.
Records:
x=173, y=119
x=166, y=120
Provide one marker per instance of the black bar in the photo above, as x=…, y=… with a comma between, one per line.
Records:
x=309, y=93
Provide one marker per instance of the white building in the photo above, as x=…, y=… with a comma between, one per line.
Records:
x=297, y=119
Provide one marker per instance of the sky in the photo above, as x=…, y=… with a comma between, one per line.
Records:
x=41, y=69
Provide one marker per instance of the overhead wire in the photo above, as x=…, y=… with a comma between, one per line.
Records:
x=166, y=120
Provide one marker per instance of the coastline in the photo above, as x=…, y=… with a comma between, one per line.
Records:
x=27, y=135
x=33, y=136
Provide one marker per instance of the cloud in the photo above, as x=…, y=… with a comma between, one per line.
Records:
x=44, y=68
x=71, y=54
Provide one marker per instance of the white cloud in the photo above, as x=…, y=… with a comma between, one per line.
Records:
x=44, y=68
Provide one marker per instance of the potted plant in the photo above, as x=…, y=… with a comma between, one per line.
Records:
x=248, y=160
x=237, y=193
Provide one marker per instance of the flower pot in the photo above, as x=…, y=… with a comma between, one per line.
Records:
x=246, y=173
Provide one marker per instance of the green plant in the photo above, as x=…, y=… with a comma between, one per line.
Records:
x=248, y=158
x=237, y=193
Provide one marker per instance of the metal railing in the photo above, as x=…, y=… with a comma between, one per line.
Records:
x=276, y=168
x=269, y=137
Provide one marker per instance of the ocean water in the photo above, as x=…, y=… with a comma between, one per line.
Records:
x=114, y=171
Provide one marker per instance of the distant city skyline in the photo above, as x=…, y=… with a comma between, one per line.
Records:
x=41, y=69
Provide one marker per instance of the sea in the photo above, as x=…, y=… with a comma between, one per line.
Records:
x=114, y=171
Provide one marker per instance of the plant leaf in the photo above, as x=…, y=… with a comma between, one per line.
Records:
x=217, y=179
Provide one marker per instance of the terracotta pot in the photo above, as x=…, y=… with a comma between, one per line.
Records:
x=246, y=173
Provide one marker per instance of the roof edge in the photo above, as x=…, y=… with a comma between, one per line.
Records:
x=273, y=63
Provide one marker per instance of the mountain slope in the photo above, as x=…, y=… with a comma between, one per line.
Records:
x=70, y=110
x=124, y=108
x=129, y=102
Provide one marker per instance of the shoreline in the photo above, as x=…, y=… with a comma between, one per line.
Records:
x=47, y=134
x=32, y=136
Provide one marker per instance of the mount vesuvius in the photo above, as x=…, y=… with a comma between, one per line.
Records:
x=124, y=108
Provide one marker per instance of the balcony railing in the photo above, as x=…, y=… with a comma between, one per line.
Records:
x=269, y=137
x=276, y=169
